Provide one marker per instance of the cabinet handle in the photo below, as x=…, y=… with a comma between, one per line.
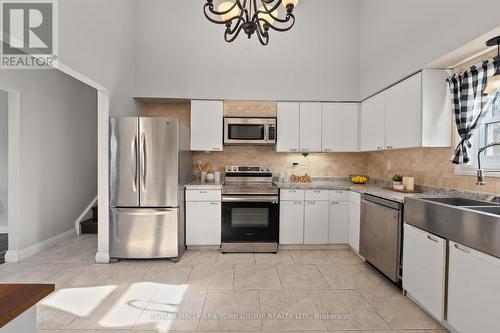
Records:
x=311, y=202
x=379, y=148
x=390, y=147
x=432, y=239
x=298, y=202
x=214, y=203
x=292, y=191
x=335, y=203
x=317, y=191
x=203, y=192
x=293, y=150
x=462, y=248
x=327, y=150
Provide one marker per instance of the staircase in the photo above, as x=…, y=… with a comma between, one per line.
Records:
x=90, y=226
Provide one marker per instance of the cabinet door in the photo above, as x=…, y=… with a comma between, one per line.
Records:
x=203, y=223
x=339, y=127
x=403, y=113
x=373, y=123
x=354, y=222
x=207, y=119
x=288, y=127
x=316, y=222
x=424, y=259
x=292, y=222
x=310, y=127
x=338, y=232
x=473, y=290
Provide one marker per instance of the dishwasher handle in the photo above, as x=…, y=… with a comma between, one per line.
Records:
x=383, y=202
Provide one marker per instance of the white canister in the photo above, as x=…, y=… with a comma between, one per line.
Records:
x=203, y=176
x=210, y=177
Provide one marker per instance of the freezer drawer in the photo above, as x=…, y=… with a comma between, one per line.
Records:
x=144, y=233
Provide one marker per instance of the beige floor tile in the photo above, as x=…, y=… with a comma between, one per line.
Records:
x=120, y=310
x=30, y=272
x=235, y=258
x=301, y=277
x=43, y=330
x=198, y=257
x=283, y=257
x=289, y=310
x=353, y=277
x=256, y=277
x=399, y=311
x=52, y=318
x=225, y=305
x=172, y=308
x=168, y=274
x=310, y=257
x=210, y=276
x=347, y=310
x=342, y=257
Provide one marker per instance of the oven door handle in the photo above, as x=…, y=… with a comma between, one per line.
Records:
x=247, y=198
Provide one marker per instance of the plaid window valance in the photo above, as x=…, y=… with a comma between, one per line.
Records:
x=470, y=104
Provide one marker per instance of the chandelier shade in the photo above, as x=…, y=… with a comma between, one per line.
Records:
x=252, y=17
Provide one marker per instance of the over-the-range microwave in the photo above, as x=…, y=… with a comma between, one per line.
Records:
x=249, y=131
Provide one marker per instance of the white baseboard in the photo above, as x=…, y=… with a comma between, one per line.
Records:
x=83, y=214
x=102, y=258
x=4, y=230
x=17, y=256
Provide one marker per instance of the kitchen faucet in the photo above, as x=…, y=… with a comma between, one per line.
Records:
x=481, y=172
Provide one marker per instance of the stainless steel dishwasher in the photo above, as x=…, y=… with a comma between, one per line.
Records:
x=381, y=234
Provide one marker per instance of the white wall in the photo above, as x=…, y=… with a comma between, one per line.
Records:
x=3, y=159
x=180, y=54
x=399, y=37
x=58, y=151
x=96, y=40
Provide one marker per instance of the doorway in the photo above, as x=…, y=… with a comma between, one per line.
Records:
x=4, y=153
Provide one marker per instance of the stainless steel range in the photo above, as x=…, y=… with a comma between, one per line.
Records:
x=250, y=208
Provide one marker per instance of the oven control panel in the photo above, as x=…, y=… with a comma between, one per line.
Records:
x=249, y=169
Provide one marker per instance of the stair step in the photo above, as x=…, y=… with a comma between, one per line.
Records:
x=88, y=226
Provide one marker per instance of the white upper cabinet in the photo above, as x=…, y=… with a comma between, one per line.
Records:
x=373, y=123
x=403, y=114
x=310, y=127
x=339, y=127
x=207, y=125
x=288, y=127
x=415, y=112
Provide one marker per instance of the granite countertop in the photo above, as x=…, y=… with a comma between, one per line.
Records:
x=198, y=185
x=373, y=189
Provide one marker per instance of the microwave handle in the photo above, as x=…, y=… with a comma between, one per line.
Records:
x=266, y=132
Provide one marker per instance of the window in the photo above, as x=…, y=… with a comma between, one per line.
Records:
x=488, y=132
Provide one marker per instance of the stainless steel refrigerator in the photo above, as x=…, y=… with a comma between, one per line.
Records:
x=150, y=162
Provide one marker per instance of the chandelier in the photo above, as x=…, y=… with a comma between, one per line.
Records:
x=245, y=15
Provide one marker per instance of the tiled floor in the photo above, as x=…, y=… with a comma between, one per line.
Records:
x=294, y=290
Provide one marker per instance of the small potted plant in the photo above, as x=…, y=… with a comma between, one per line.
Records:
x=397, y=182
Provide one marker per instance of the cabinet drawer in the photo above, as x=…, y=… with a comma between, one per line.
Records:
x=291, y=195
x=203, y=195
x=339, y=195
x=317, y=195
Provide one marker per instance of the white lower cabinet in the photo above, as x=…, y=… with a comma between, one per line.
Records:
x=292, y=222
x=473, y=290
x=354, y=220
x=338, y=232
x=424, y=266
x=316, y=222
x=203, y=217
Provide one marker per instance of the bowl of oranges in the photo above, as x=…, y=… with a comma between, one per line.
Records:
x=359, y=179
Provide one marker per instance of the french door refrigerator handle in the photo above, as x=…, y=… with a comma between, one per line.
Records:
x=133, y=160
x=143, y=162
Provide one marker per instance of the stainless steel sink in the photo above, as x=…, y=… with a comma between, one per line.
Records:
x=491, y=210
x=461, y=202
x=473, y=223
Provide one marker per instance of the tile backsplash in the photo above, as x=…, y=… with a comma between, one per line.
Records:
x=429, y=166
